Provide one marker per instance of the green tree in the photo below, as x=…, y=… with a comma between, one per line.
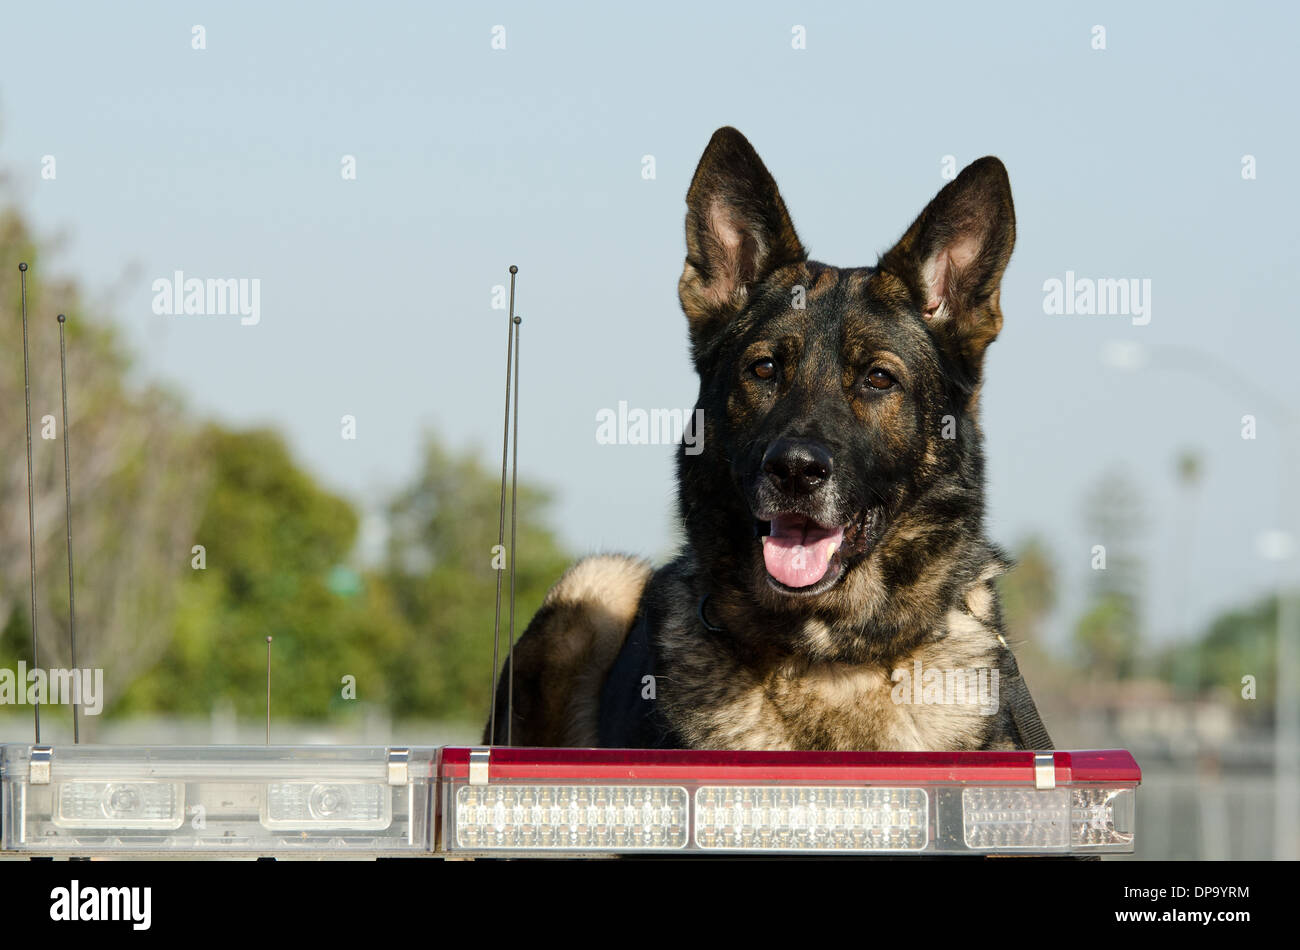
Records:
x=1107, y=636
x=440, y=567
x=1239, y=642
x=1028, y=592
x=150, y=483
x=276, y=548
x=1188, y=468
x=138, y=480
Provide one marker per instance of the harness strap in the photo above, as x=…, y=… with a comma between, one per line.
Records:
x=1024, y=713
x=629, y=715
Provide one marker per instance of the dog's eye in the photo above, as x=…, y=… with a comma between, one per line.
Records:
x=764, y=369
x=880, y=379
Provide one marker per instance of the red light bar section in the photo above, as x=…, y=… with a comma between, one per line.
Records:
x=673, y=765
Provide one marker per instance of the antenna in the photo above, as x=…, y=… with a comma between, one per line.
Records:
x=67, y=497
x=501, y=519
x=268, y=690
x=514, y=508
x=31, y=505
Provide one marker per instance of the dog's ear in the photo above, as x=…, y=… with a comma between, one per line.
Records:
x=953, y=256
x=737, y=233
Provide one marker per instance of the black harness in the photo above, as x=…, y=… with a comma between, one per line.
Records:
x=1030, y=731
x=629, y=714
x=630, y=717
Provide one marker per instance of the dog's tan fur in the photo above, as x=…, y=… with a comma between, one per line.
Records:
x=719, y=702
x=563, y=657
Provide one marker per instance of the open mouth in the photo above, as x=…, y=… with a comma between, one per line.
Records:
x=799, y=553
x=805, y=557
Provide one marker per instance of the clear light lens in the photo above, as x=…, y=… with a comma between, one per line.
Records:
x=793, y=818
x=1049, y=819
x=327, y=805
x=153, y=805
x=999, y=819
x=571, y=817
x=1102, y=818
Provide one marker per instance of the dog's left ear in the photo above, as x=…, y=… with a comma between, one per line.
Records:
x=953, y=256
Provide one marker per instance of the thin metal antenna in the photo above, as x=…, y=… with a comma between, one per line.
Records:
x=501, y=519
x=31, y=505
x=67, y=497
x=268, y=690
x=514, y=508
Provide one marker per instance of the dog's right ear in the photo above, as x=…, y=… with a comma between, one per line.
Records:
x=737, y=233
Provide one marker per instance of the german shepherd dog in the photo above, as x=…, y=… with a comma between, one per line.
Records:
x=835, y=579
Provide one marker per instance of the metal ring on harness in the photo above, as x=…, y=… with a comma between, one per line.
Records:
x=713, y=628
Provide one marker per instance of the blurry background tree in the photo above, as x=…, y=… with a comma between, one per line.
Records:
x=1107, y=637
x=138, y=480
x=150, y=482
x=439, y=567
x=1188, y=468
x=1238, y=643
x=275, y=551
x=1028, y=594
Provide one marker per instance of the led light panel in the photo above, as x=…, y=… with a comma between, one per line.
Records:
x=571, y=817
x=801, y=818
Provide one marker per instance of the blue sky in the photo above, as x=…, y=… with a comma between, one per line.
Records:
x=376, y=292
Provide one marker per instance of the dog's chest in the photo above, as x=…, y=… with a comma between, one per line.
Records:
x=832, y=707
x=929, y=699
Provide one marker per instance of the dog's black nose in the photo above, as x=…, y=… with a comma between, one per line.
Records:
x=797, y=466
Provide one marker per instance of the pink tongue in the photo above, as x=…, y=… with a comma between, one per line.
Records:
x=798, y=551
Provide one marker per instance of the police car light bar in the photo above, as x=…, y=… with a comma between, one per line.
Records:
x=323, y=801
